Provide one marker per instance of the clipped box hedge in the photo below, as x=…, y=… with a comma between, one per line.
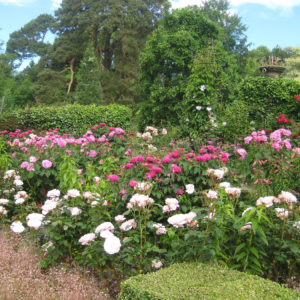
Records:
x=191, y=281
x=73, y=118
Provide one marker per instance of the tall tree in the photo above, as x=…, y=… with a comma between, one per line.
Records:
x=29, y=41
x=117, y=30
x=233, y=34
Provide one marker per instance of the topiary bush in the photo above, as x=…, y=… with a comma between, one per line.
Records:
x=267, y=98
x=200, y=281
x=74, y=118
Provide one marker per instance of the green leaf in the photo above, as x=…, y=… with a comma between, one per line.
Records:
x=239, y=247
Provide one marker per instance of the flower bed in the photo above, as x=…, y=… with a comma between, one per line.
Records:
x=114, y=201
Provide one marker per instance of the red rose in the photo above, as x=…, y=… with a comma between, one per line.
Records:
x=296, y=97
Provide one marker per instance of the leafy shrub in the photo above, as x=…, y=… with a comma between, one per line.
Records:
x=267, y=98
x=73, y=119
x=166, y=63
x=235, y=120
x=200, y=281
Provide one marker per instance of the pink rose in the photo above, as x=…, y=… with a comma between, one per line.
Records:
x=112, y=178
x=46, y=164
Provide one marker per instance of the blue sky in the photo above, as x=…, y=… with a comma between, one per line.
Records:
x=269, y=22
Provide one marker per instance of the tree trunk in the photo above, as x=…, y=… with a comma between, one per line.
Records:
x=72, y=75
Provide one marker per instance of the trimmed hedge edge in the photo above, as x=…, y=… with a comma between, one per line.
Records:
x=191, y=281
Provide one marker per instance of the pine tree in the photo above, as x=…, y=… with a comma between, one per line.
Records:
x=89, y=89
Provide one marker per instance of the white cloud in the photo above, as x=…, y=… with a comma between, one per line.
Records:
x=16, y=2
x=55, y=4
x=273, y=4
x=184, y=3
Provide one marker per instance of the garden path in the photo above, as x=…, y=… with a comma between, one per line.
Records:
x=21, y=277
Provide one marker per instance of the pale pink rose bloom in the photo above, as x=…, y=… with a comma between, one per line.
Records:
x=156, y=264
x=33, y=159
x=18, y=182
x=281, y=212
x=224, y=185
x=190, y=216
x=248, y=226
x=287, y=197
x=112, y=245
x=172, y=203
x=178, y=220
x=233, y=191
x=3, y=201
x=46, y=164
x=20, y=201
x=96, y=179
x=106, y=234
x=17, y=227
x=164, y=131
x=160, y=229
x=75, y=211
x=265, y=201
x=104, y=227
x=94, y=204
x=166, y=209
x=190, y=189
x=120, y=218
x=129, y=206
x=48, y=206
x=212, y=194
x=139, y=199
x=219, y=173
x=87, y=195
x=87, y=239
x=73, y=193
x=128, y=225
x=142, y=186
x=34, y=220
x=53, y=193
x=3, y=211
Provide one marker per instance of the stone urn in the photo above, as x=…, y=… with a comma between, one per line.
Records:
x=272, y=68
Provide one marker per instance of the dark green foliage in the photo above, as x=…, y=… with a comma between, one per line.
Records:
x=199, y=281
x=22, y=93
x=50, y=87
x=267, y=98
x=73, y=119
x=89, y=89
x=209, y=86
x=167, y=60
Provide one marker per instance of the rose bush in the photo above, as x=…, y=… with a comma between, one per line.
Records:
x=128, y=203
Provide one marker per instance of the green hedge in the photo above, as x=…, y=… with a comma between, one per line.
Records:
x=73, y=118
x=268, y=97
x=200, y=281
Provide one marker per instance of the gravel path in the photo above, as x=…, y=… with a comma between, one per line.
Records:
x=20, y=277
